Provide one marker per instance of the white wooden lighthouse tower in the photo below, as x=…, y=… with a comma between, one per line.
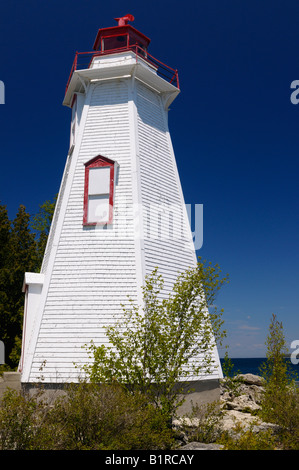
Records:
x=120, y=211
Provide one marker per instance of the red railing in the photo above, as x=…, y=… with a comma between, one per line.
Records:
x=83, y=60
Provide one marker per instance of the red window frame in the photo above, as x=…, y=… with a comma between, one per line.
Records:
x=99, y=162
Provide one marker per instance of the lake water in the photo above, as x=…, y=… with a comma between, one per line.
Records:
x=252, y=365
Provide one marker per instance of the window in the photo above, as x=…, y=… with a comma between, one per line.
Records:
x=99, y=191
x=73, y=122
x=114, y=42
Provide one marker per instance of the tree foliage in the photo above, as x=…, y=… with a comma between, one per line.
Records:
x=280, y=404
x=155, y=347
x=21, y=250
x=276, y=370
x=41, y=223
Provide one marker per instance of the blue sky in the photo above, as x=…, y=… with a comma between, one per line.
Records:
x=234, y=130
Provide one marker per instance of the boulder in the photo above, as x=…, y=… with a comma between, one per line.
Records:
x=242, y=403
x=233, y=418
x=201, y=446
x=239, y=406
x=251, y=379
x=246, y=396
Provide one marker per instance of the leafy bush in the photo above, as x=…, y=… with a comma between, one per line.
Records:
x=159, y=342
x=282, y=408
x=86, y=417
x=248, y=440
x=105, y=417
x=22, y=421
x=280, y=403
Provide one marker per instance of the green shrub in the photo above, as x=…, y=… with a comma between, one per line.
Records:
x=282, y=408
x=248, y=440
x=154, y=348
x=23, y=421
x=280, y=403
x=106, y=417
x=87, y=417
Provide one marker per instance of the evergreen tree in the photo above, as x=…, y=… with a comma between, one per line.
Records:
x=5, y=228
x=4, y=235
x=41, y=224
x=22, y=245
x=20, y=257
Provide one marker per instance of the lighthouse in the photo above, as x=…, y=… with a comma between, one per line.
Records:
x=120, y=211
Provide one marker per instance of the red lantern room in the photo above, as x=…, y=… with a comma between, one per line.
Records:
x=129, y=43
x=123, y=36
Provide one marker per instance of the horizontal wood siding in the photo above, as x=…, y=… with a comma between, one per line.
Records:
x=166, y=242
x=161, y=192
x=94, y=269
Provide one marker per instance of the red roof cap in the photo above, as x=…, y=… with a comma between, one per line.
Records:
x=123, y=20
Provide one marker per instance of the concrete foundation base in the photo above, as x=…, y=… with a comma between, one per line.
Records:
x=10, y=380
x=200, y=392
x=195, y=393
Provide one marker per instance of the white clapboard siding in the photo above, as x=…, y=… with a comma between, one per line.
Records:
x=94, y=270
x=160, y=185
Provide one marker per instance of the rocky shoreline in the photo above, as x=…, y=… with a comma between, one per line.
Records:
x=237, y=410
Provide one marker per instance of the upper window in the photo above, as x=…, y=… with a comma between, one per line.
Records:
x=99, y=191
x=114, y=42
x=74, y=119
